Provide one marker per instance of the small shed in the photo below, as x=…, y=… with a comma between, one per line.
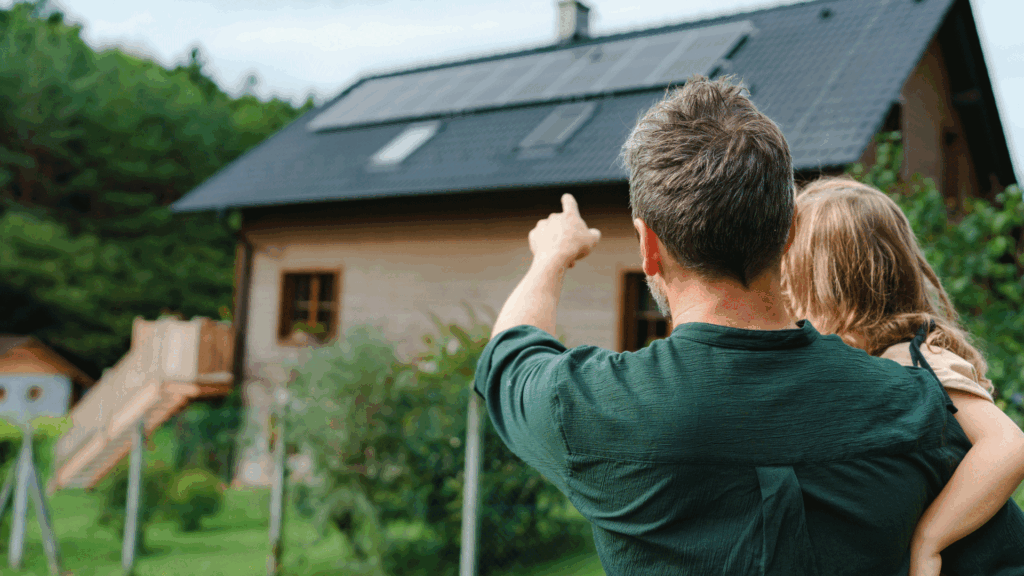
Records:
x=21, y=354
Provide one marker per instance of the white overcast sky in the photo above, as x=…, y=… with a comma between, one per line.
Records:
x=298, y=47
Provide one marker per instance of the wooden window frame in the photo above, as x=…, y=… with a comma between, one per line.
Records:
x=628, y=298
x=284, y=312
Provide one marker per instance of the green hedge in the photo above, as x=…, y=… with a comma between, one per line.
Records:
x=387, y=439
x=113, y=489
x=192, y=495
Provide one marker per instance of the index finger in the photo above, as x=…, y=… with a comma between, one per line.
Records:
x=569, y=205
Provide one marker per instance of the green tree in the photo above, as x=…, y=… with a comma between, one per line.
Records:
x=93, y=147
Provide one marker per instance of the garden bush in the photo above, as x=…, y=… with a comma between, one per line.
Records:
x=386, y=437
x=45, y=432
x=205, y=434
x=977, y=248
x=192, y=495
x=156, y=478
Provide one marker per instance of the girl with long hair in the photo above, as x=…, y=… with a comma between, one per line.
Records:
x=854, y=269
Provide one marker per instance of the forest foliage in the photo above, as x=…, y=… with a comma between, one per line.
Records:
x=94, y=146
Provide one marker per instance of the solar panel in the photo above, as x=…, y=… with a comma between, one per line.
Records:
x=465, y=79
x=568, y=73
x=506, y=75
x=643, y=62
x=604, y=59
x=700, y=57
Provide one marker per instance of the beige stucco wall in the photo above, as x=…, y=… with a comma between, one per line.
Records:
x=395, y=272
x=395, y=275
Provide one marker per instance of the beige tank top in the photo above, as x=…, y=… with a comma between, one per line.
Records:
x=953, y=372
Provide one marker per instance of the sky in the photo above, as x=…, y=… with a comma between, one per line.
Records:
x=297, y=48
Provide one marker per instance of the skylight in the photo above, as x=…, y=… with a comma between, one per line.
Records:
x=402, y=146
x=556, y=128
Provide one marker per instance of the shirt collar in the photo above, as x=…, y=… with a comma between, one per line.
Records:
x=729, y=337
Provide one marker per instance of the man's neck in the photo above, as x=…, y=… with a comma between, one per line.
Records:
x=727, y=303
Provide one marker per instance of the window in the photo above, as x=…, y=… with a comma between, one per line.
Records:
x=309, y=304
x=642, y=322
x=403, y=145
x=556, y=129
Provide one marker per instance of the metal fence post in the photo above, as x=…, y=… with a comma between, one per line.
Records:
x=131, y=525
x=277, y=488
x=471, y=489
x=16, y=548
x=50, y=547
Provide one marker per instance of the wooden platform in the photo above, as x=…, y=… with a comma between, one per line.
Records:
x=170, y=363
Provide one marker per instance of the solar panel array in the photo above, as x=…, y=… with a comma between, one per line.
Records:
x=572, y=72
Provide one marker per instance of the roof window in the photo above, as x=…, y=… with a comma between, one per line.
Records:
x=402, y=146
x=556, y=129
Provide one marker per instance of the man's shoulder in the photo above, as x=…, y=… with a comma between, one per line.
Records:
x=827, y=356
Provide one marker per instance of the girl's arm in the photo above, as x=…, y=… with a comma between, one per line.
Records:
x=985, y=479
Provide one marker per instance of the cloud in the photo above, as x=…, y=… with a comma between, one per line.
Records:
x=135, y=24
x=332, y=36
x=486, y=25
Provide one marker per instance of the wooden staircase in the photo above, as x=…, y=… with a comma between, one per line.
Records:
x=170, y=363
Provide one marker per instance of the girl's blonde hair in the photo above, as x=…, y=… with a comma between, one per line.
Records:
x=855, y=269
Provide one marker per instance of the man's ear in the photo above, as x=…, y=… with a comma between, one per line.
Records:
x=650, y=249
x=792, y=233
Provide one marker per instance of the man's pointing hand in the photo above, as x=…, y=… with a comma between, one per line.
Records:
x=563, y=237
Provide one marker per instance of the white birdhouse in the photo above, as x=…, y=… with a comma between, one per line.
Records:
x=26, y=396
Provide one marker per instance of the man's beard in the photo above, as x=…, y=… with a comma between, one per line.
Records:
x=660, y=298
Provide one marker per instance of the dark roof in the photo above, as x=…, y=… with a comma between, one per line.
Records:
x=827, y=72
x=9, y=342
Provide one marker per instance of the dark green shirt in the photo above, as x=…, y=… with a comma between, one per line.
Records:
x=727, y=451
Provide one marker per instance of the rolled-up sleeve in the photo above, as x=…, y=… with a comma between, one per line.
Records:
x=518, y=377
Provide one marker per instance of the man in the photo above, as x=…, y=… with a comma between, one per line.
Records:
x=745, y=442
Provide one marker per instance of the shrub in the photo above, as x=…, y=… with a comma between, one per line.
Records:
x=977, y=249
x=45, y=432
x=205, y=434
x=156, y=478
x=193, y=495
x=386, y=438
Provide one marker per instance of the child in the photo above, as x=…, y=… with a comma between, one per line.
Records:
x=854, y=269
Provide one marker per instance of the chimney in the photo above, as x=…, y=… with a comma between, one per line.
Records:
x=573, y=21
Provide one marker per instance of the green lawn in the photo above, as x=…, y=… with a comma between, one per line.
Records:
x=232, y=543
x=583, y=564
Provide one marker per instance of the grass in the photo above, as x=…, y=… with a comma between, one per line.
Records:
x=232, y=543
x=584, y=563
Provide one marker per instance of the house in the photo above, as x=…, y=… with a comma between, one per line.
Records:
x=412, y=192
x=27, y=355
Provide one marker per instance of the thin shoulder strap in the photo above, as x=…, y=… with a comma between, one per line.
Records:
x=919, y=362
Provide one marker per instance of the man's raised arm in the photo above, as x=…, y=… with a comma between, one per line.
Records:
x=557, y=242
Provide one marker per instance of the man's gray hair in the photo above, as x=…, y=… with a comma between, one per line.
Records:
x=713, y=178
